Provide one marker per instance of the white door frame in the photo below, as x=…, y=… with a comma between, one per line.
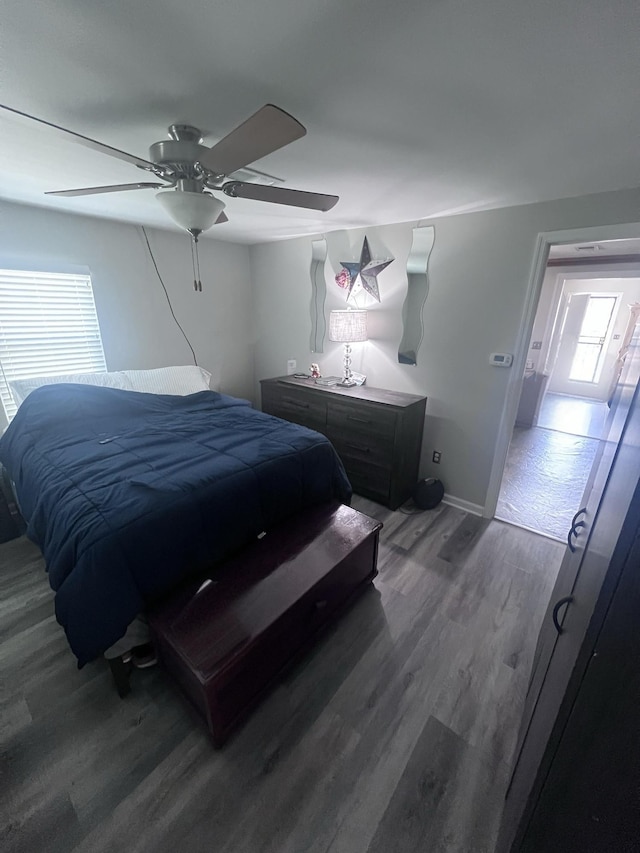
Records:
x=514, y=386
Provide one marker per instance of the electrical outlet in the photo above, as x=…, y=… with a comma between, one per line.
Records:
x=291, y=366
x=536, y=345
x=437, y=456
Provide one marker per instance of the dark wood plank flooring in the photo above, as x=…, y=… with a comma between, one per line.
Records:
x=393, y=734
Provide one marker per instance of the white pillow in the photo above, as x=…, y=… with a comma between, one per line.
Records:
x=21, y=388
x=182, y=380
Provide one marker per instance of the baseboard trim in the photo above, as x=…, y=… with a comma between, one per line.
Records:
x=459, y=503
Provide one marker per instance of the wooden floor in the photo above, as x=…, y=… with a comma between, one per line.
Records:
x=394, y=734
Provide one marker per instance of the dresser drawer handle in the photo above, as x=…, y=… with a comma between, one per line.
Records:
x=321, y=605
x=358, y=447
x=296, y=403
x=358, y=420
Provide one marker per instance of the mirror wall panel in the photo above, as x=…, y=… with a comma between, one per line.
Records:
x=318, y=294
x=417, y=291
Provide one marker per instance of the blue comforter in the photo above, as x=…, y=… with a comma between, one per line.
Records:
x=127, y=493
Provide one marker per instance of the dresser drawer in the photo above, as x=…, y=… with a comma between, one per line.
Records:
x=368, y=480
x=367, y=419
x=369, y=449
x=300, y=408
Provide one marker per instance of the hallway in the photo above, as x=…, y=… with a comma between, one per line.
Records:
x=574, y=415
x=548, y=465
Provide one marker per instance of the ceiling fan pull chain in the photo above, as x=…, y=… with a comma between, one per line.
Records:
x=193, y=265
x=195, y=260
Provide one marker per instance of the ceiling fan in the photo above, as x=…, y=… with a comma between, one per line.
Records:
x=188, y=169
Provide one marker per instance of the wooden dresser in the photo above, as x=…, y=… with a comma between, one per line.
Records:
x=377, y=433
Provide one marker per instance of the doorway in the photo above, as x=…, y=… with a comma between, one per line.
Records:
x=578, y=333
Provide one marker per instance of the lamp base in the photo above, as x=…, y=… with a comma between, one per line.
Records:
x=347, y=381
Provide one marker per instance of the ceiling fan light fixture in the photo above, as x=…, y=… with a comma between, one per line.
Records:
x=196, y=212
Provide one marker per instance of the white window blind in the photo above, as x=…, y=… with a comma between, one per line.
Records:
x=48, y=325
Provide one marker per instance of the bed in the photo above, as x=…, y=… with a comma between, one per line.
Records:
x=129, y=493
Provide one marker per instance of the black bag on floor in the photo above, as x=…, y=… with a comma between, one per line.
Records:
x=428, y=493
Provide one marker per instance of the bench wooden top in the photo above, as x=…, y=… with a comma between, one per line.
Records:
x=210, y=624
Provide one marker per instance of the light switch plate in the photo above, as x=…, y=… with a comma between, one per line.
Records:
x=291, y=366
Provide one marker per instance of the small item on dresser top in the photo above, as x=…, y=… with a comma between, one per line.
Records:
x=329, y=380
x=315, y=371
x=301, y=376
x=358, y=378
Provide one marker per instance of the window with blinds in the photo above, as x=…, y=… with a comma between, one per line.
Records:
x=48, y=325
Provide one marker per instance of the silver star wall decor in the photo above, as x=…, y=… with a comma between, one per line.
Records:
x=354, y=276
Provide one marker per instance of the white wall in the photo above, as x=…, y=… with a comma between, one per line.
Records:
x=478, y=274
x=136, y=324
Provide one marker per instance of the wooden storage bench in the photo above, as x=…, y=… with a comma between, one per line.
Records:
x=226, y=639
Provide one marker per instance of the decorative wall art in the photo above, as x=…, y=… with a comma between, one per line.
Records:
x=355, y=277
x=318, y=294
x=417, y=290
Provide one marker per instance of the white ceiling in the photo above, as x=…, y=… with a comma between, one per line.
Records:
x=413, y=109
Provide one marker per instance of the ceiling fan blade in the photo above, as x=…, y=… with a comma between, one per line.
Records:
x=87, y=141
x=280, y=195
x=222, y=218
x=262, y=133
x=114, y=188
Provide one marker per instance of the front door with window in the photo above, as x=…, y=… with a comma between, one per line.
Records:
x=582, y=367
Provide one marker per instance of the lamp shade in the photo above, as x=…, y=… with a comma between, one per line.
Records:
x=193, y=211
x=348, y=326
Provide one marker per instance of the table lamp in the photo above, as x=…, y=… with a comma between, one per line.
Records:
x=348, y=327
